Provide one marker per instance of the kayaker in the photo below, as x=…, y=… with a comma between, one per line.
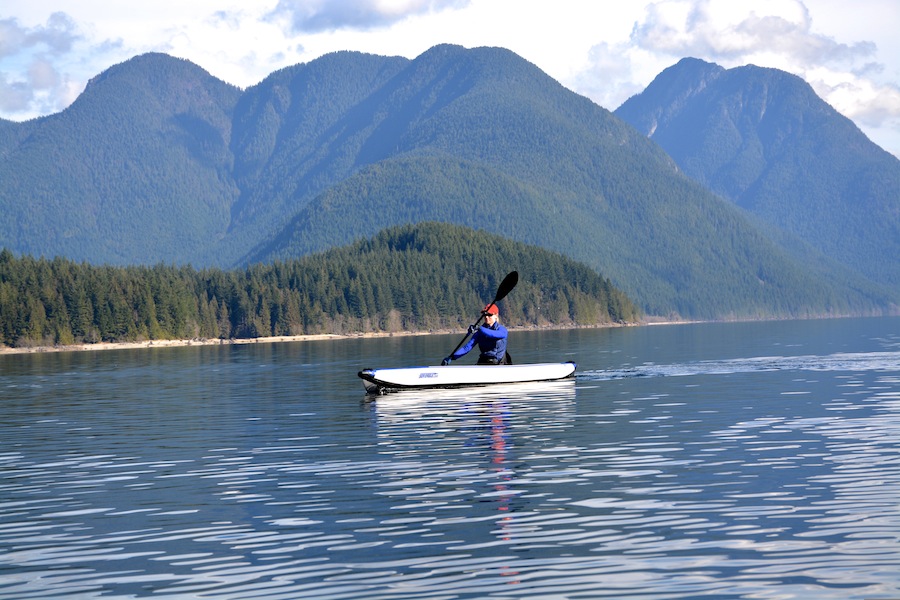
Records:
x=491, y=340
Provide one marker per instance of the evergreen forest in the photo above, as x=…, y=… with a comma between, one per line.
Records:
x=408, y=278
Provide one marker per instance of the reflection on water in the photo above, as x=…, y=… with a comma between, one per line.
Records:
x=266, y=473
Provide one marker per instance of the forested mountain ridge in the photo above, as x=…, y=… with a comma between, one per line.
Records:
x=404, y=279
x=297, y=133
x=461, y=131
x=137, y=166
x=762, y=138
x=159, y=161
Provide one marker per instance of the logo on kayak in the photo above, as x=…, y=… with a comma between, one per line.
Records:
x=427, y=375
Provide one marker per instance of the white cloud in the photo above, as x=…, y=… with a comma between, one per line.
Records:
x=33, y=81
x=315, y=16
x=12, y=37
x=608, y=76
x=15, y=96
x=43, y=75
x=874, y=107
x=725, y=31
x=56, y=37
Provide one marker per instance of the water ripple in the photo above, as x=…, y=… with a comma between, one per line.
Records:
x=773, y=478
x=845, y=361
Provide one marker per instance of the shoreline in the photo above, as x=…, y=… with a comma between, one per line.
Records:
x=101, y=346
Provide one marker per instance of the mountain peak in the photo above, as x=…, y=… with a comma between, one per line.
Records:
x=668, y=93
x=152, y=67
x=762, y=138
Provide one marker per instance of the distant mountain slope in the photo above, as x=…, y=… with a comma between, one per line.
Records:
x=11, y=135
x=762, y=138
x=137, y=166
x=298, y=132
x=158, y=161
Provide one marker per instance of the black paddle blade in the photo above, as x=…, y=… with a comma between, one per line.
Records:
x=506, y=286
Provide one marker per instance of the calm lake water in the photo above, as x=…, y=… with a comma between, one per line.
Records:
x=750, y=460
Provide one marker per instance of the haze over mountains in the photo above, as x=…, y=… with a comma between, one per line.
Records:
x=158, y=161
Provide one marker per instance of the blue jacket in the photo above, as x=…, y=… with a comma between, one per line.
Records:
x=491, y=341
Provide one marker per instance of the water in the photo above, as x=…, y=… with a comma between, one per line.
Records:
x=754, y=460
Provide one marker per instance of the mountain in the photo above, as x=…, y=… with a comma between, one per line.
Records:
x=484, y=139
x=762, y=138
x=138, y=165
x=296, y=134
x=160, y=162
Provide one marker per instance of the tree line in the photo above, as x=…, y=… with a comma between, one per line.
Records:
x=424, y=277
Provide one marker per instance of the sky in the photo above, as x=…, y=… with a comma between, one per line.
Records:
x=607, y=50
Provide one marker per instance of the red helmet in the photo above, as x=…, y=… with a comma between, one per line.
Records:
x=491, y=309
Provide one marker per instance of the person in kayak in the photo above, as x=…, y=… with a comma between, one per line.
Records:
x=491, y=340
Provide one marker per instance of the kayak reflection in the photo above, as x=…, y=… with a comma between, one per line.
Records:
x=485, y=444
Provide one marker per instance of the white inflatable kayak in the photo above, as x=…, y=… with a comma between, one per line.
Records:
x=379, y=381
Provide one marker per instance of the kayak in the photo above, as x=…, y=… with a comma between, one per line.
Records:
x=380, y=381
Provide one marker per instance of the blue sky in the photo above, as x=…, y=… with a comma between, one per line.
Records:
x=604, y=49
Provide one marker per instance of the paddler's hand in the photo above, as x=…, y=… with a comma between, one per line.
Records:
x=446, y=361
x=472, y=329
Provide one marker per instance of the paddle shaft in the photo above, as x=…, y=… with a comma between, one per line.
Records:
x=505, y=287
